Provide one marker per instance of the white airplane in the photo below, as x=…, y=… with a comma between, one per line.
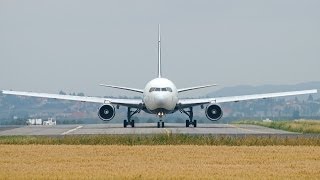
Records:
x=160, y=97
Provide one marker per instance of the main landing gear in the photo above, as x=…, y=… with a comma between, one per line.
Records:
x=189, y=113
x=130, y=113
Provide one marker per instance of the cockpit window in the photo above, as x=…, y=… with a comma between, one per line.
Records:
x=167, y=89
x=151, y=89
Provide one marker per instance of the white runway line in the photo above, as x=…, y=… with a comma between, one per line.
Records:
x=249, y=130
x=71, y=130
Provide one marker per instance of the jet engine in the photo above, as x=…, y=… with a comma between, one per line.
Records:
x=214, y=112
x=106, y=112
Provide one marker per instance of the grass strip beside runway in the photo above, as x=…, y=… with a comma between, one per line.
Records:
x=301, y=126
x=163, y=139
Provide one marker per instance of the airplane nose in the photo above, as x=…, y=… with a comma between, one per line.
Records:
x=161, y=100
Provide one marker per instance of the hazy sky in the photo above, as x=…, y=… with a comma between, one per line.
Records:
x=75, y=45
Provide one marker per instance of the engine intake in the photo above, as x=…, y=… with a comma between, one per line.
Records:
x=106, y=112
x=214, y=112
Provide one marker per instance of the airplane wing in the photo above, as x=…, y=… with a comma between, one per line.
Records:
x=134, y=103
x=185, y=103
x=196, y=87
x=123, y=88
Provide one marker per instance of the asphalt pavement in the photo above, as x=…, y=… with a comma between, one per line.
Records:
x=143, y=128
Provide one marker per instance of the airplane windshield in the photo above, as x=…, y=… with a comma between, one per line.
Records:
x=167, y=89
x=152, y=89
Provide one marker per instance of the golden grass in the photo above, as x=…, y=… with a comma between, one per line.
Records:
x=302, y=126
x=158, y=162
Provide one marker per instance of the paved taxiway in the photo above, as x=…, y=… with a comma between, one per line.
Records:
x=87, y=129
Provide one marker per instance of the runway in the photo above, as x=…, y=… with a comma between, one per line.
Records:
x=143, y=128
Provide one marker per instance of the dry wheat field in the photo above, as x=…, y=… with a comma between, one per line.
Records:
x=158, y=162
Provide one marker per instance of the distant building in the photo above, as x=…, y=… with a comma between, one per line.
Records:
x=267, y=120
x=34, y=122
x=50, y=122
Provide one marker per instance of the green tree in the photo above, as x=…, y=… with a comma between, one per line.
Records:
x=62, y=93
x=80, y=94
x=296, y=114
x=310, y=98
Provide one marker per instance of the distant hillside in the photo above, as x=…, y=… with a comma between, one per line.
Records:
x=247, y=89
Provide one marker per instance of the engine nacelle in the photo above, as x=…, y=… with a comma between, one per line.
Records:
x=214, y=112
x=106, y=112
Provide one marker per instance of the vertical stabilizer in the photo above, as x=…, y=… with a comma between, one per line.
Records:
x=159, y=53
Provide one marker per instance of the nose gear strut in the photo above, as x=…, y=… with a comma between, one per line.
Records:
x=160, y=123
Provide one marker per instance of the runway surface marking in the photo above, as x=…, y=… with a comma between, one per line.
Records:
x=250, y=130
x=253, y=131
x=71, y=130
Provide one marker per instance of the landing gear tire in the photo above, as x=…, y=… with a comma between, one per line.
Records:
x=130, y=113
x=125, y=123
x=160, y=124
x=188, y=123
x=194, y=123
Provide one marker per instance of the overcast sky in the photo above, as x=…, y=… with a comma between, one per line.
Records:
x=73, y=45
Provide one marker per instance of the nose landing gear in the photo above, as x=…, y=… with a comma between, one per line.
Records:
x=160, y=123
x=189, y=113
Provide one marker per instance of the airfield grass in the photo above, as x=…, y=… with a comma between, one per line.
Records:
x=164, y=156
x=301, y=126
x=163, y=139
x=158, y=162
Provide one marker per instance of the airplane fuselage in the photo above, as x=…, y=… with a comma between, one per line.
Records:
x=160, y=96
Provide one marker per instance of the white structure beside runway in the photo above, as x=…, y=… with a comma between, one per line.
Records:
x=49, y=122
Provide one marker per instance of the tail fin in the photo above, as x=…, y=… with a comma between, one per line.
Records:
x=159, y=53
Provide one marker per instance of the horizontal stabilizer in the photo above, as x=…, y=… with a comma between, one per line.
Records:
x=123, y=88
